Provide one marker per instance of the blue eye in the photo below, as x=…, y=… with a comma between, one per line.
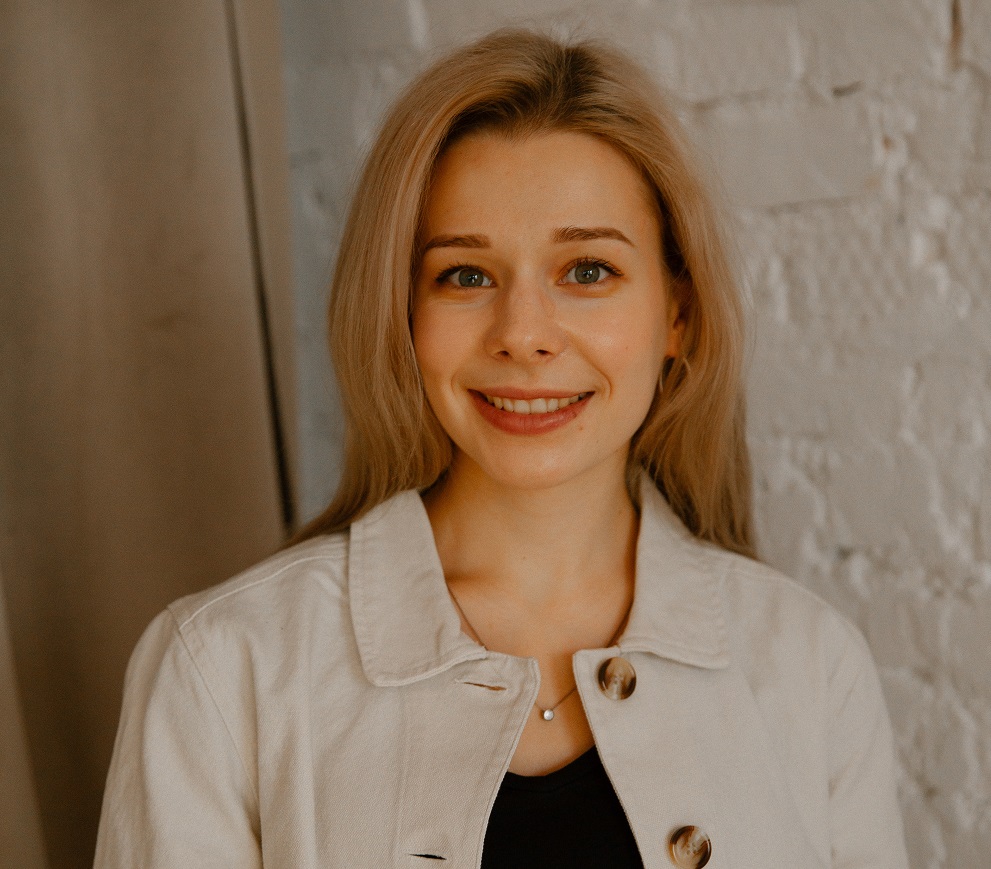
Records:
x=589, y=272
x=468, y=277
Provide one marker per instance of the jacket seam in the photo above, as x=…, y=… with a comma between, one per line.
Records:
x=241, y=588
x=771, y=576
x=644, y=642
x=227, y=729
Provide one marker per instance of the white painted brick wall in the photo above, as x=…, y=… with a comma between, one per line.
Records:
x=732, y=49
x=765, y=151
x=872, y=41
x=853, y=138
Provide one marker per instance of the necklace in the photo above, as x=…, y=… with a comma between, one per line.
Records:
x=548, y=713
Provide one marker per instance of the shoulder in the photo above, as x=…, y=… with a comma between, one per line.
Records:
x=762, y=600
x=250, y=636
x=759, y=597
x=245, y=627
x=764, y=614
x=782, y=633
x=313, y=572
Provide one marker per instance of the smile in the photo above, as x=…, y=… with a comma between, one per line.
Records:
x=534, y=405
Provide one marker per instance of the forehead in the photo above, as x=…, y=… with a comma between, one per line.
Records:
x=551, y=178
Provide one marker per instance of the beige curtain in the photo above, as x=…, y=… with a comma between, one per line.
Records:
x=145, y=362
x=20, y=830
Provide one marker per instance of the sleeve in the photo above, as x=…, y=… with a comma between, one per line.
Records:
x=865, y=821
x=179, y=793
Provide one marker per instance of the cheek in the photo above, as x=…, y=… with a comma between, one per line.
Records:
x=632, y=352
x=436, y=345
x=425, y=329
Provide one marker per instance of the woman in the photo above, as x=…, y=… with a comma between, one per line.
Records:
x=529, y=630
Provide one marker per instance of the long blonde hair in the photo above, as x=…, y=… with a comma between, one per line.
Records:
x=520, y=83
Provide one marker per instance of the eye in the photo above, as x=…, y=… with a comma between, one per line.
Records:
x=590, y=271
x=468, y=277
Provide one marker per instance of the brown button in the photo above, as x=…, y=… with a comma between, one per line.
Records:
x=617, y=678
x=690, y=848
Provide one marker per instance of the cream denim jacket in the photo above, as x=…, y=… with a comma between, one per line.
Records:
x=324, y=709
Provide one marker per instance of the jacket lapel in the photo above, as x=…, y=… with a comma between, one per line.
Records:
x=678, y=603
x=688, y=747
x=404, y=622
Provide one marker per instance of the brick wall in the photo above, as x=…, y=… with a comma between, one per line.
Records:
x=853, y=140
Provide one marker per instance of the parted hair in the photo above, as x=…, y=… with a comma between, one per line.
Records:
x=520, y=83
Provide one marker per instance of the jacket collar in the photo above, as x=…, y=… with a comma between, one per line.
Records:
x=408, y=629
x=678, y=603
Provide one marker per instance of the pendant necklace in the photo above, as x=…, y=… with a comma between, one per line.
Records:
x=548, y=713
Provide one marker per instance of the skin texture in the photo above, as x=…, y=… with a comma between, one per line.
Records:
x=558, y=240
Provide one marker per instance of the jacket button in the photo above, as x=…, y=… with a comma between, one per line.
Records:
x=617, y=678
x=690, y=848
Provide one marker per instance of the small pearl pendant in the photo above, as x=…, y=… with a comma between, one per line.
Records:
x=547, y=715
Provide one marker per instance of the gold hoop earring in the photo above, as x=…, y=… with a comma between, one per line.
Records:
x=666, y=367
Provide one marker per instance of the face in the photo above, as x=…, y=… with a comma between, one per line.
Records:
x=541, y=309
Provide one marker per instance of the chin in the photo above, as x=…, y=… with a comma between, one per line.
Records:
x=530, y=473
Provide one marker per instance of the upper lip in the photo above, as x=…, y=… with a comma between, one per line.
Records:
x=529, y=394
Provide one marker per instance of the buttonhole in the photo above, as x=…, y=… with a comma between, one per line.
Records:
x=429, y=856
x=483, y=685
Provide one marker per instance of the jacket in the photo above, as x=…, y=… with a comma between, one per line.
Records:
x=324, y=709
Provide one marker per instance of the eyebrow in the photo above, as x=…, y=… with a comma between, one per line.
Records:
x=560, y=236
x=589, y=233
x=475, y=241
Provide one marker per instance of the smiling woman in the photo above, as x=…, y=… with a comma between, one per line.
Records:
x=530, y=629
x=516, y=85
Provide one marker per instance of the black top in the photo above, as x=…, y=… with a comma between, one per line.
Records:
x=569, y=818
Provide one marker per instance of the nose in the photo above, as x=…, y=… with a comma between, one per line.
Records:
x=525, y=327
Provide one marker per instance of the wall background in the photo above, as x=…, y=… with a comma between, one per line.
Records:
x=853, y=139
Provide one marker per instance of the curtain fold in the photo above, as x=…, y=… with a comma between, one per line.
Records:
x=145, y=366
x=257, y=62
x=21, y=844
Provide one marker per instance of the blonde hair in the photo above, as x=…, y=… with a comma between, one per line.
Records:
x=519, y=83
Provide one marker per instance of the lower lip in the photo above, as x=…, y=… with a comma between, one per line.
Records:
x=528, y=423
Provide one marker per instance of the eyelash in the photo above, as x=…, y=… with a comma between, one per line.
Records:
x=450, y=270
x=595, y=261
x=581, y=261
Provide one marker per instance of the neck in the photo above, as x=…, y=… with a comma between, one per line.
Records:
x=543, y=549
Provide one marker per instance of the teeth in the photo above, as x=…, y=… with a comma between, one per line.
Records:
x=534, y=405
